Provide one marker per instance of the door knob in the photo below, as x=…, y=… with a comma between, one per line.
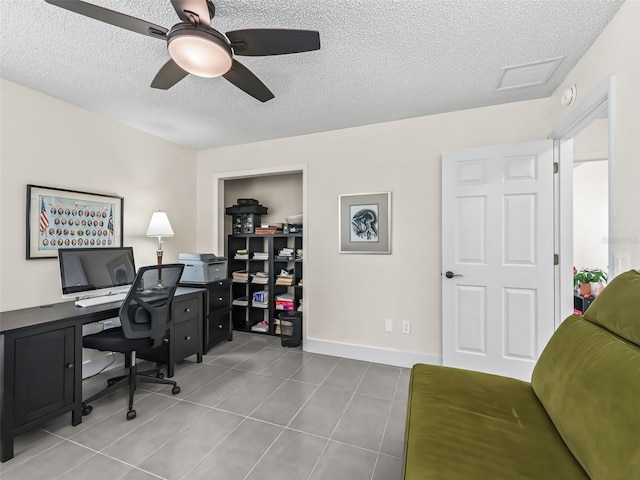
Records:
x=450, y=274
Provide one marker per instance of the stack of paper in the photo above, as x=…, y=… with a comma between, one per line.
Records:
x=260, y=277
x=242, y=254
x=240, y=276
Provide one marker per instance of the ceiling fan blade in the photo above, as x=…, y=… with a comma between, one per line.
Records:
x=111, y=17
x=257, y=42
x=192, y=11
x=168, y=76
x=246, y=81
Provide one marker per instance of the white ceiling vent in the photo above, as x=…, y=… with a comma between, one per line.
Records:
x=528, y=75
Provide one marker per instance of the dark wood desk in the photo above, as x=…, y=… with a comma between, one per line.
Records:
x=41, y=358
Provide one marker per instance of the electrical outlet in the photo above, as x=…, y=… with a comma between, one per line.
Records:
x=388, y=325
x=406, y=326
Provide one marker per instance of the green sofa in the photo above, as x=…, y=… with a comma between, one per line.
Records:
x=579, y=418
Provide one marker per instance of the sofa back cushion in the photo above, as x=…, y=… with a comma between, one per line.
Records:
x=588, y=380
x=618, y=309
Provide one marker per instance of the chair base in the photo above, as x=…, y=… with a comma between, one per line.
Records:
x=132, y=379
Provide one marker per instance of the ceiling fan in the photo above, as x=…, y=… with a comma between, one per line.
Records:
x=197, y=48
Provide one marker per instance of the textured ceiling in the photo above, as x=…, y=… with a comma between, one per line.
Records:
x=380, y=60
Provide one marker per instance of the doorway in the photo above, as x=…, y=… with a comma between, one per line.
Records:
x=597, y=111
x=466, y=331
x=591, y=197
x=261, y=185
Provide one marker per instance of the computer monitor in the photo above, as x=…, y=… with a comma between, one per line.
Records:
x=96, y=271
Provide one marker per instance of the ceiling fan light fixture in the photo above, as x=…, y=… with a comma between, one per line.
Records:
x=198, y=51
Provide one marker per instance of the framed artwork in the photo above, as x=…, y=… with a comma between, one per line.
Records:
x=58, y=218
x=365, y=223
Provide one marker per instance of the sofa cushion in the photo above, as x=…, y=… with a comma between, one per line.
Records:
x=588, y=380
x=466, y=425
x=617, y=308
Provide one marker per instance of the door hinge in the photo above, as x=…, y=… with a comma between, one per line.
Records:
x=556, y=259
x=556, y=167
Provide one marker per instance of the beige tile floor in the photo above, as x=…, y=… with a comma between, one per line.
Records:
x=251, y=411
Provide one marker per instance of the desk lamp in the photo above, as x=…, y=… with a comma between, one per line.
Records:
x=159, y=226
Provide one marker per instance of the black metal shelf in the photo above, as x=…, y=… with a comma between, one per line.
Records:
x=244, y=317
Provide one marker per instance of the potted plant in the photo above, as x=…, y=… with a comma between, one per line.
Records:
x=583, y=279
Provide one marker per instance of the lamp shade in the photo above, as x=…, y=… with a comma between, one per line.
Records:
x=159, y=225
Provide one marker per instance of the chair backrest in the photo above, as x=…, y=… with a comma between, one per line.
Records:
x=146, y=311
x=588, y=380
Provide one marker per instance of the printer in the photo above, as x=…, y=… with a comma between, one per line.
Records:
x=202, y=267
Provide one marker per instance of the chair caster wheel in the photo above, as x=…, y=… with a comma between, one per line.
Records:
x=175, y=390
x=86, y=410
x=160, y=375
x=131, y=414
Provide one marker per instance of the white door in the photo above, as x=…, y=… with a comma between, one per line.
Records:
x=497, y=257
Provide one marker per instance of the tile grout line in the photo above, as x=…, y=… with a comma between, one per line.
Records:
x=186, y=475
x=294, y=416
x=276, y=360
x=265, y=368
x=183, y=429
x=323, y=386
x=186, y=399
x=386, y=424
x=216, y=406
x=243, y=418
x=255, y=376
x=149, y=420
x=137, y=427
x=286, y=380
x=248, y=416
x=97, y=452
x=389, y=413
x=338, y=422
x=239, y=346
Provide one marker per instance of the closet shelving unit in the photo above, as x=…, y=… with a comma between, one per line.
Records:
x=244, y=317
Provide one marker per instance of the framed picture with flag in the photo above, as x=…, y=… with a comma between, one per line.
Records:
x=59, y=218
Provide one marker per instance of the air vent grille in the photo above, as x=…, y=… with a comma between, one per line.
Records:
x=528, y=75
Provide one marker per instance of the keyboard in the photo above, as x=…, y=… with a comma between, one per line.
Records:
x=90, y=302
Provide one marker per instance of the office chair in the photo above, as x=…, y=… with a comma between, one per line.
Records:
x=145, y=316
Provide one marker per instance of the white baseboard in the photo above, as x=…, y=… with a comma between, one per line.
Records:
x=369, y=354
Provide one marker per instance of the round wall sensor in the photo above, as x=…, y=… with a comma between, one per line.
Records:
x=569, y=95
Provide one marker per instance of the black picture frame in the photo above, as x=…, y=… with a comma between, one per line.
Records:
x=61, y=218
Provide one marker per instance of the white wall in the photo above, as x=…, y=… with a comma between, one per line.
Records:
x=281, y=194
x=49, y=142
x=592, y=141
x=591, y=196
x=347, y=297
x=616, y=52
x=590, y=215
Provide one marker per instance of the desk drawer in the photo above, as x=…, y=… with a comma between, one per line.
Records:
x=186, y=309
x=219, y=297
x=219, y=324
x=187, y=338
